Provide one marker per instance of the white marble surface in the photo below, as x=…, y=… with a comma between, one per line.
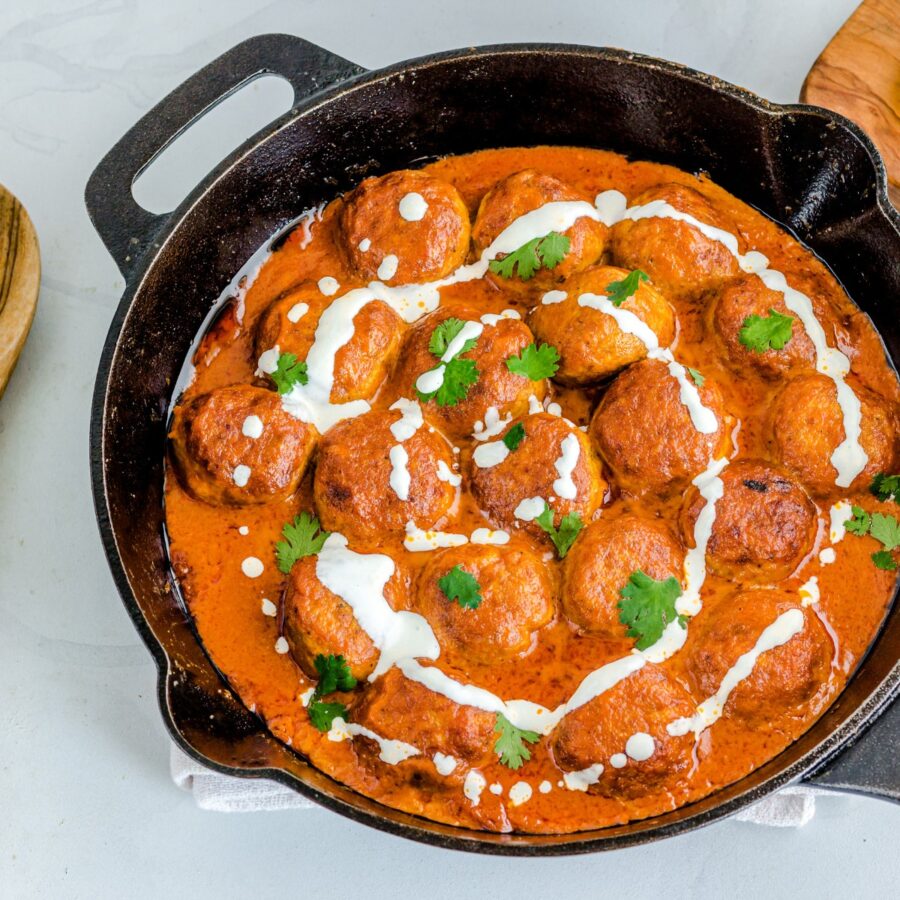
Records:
x=87, y=806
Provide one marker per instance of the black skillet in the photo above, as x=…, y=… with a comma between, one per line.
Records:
x=806, y=167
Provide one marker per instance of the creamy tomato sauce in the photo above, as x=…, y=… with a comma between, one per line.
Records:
x=224, y=554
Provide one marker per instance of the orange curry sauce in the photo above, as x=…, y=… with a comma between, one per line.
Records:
x=208, y=543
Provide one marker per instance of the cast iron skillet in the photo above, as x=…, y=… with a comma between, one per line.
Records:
x=806, y=167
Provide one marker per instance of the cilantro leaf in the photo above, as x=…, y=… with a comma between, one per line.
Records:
x=565, y=535
x=648, y=606
x=334, y=674
x=443, y=335
x=696, y=377
x=885, y=529
x=884, y=560
x=323, y=714
x=535, y=362
x=302, y=537
x=859, y=523
x=514, y=436
x=510, y=746
x=288, y=373
x=619, y=291
x=462, y=587
x=459, y=374
x=886, y=487
x=544, y=252
x=761, y=333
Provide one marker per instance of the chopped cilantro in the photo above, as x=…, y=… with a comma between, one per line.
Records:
x=619, y=291
x=544, y=252
x=288, y=373
x=648, y=606
x=535, y=362
x=510, y=745
x=514, y=436
x=859, y=523
x=334, y=674
x=565, y=535
x=885, y=529
x=323, y=714
x=302, y=537
x=459, y=374
x=462, y=587
x=761, y=333
x=696, y=377
x=884, y=560
x=886, y=487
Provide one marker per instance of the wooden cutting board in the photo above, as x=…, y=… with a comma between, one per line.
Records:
x=20, y=278
x=858, y=75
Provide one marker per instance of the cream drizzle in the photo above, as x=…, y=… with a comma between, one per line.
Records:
x=297, y=312
x=839, y=515
x=412, y=207
x=489, y=536
x=400, y=477
x=418, y=540
x=474, y=784
x=491, y=454
x=492, y=425
x=252, y=427
x=446, y=474
x=583, y=779
x=410, y=420
x=241, y=475
x=390, y=751
x=569, y=451
x=431, y=381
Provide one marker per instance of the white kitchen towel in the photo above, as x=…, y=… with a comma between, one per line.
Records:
x=791, y=807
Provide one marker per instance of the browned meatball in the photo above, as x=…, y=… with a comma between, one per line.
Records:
x=237, y=446
x=360, y=365
x=591, y=344
x=523, y=192
x=314, y=621
x=400, y=709
x=516, y=600
x=645, y=433
x=602, y=560
x=644, y=703
x=352, y=485
x=807, y=426
x=551, y=458
x=732, y=303
x=405, y=228
x=783, y=680
x=765, y=524
x=498, y=388
x=676, y=255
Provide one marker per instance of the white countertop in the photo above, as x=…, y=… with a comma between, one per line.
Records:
x=88, y=809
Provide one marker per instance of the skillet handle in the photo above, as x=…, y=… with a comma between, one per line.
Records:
x=869, y=766
x=126, y=228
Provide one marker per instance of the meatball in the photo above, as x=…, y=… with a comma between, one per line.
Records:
x=765, y=523
x=405, y=228
x=400, y=709
x=553, y=463
x=730, y=306
x=602, y=560
x=505, y=393
x=314, y=621
x=782, y=680
x=807, y=426
x=516, y=600
x=641, y=704
x=523, y=192
x=237, y=446
x=676, y=255
x=590, y=342
x=646, y=434
x=366, y=488
x=360, y=365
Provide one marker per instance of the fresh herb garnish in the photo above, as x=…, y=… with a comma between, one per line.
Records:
x=648, y=606
x=535, y=362
x=459, y=374
x=544, y=252
x=696, y=377
x=565, y=535
x=885, y=529
x=886, y=487
x=334, y=675
x=462, y=587
x=288, y=372
x=510, y=746
x=514, y=436
x=302, y=537
x=859, y=523
x=761, y=333
x=619, y=291
x=884, y=560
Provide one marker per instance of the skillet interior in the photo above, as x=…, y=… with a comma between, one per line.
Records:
x=796, y=164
